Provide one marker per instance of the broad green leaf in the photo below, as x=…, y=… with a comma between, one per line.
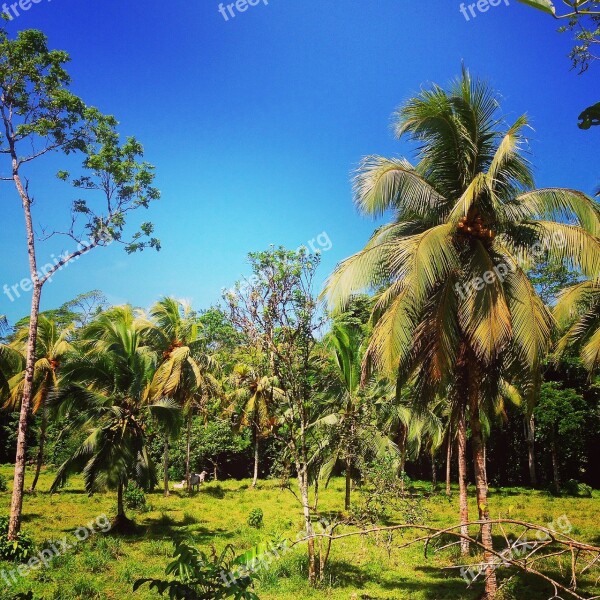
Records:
x=545, y=5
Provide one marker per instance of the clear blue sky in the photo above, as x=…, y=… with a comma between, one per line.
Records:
x=255, y=124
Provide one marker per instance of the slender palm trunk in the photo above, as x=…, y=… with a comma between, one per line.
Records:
x=348, y=482
x=255, y=435
x=402, y=440
x=491, y=585
x=433, y=472
x=187, y=452
x=120, y=505
x=215, y=471
x=530, y=432
x=555, y=466
x=166, y=465
x=461, y=443
x=449, y=462
x=42, y=443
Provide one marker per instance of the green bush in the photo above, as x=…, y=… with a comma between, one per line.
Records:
x=3, y=484
x=18, y=551
x=255, y=518
x=574, y=488
x=134, y=497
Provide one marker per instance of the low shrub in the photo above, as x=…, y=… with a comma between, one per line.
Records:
x=3, y=483
x=255, y=518
x=134, y=497
x=19, y=550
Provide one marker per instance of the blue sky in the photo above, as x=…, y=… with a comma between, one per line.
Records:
x=255, y=124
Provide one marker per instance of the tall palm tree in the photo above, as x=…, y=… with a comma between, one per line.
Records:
x=51, y=346
x=184, y=373
x=104, y=389
x=254, y=397
x=456, y=304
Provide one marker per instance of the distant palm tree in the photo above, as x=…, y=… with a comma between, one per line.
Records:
x=51, y=346
x=346, y=432
x=456, y=304
x=184, y=373
x=104, y=389
x=255, y=396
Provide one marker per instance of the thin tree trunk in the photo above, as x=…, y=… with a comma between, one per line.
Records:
x=461, y=443
x=555, y=466
x=215, y=471
x=303, y=485
x=348, y=483
x=166, y=466
x=491, y=585
x=187, y=452
x=40, y=454
x=255, y=478
x=120, y=506
x=449, y=462
x=402, y=439
x=433, y=472
x=530, y=432
x=16, y=505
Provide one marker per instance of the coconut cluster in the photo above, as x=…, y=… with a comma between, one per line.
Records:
x=473, y=225
x=175, y=344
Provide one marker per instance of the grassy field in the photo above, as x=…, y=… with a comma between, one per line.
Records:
x=105, y=566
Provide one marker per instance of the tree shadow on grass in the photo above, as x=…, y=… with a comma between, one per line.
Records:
x=166, y=527
x=214, y=491
x=344, y=574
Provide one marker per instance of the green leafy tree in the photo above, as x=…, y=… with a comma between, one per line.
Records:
x=216, y=440
x=278, y=313
x=105, y=390
x=560, y=415
x=40, y=116
x=457, y=307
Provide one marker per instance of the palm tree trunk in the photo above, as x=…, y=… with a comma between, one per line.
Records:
x=120, y=506
x=40, y=454
x=187, y=452
x=402, y=439
x=166, y=465
x=16, y=505
x=348, y=483
x=530, y=432
x=555, y=466
x=215, y=471
x=449, y=462
x=433, y=472
x=462, y=480
x=491, y=584
x=255, y=477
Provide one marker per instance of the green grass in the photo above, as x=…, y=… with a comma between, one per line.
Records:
x=105, y=566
